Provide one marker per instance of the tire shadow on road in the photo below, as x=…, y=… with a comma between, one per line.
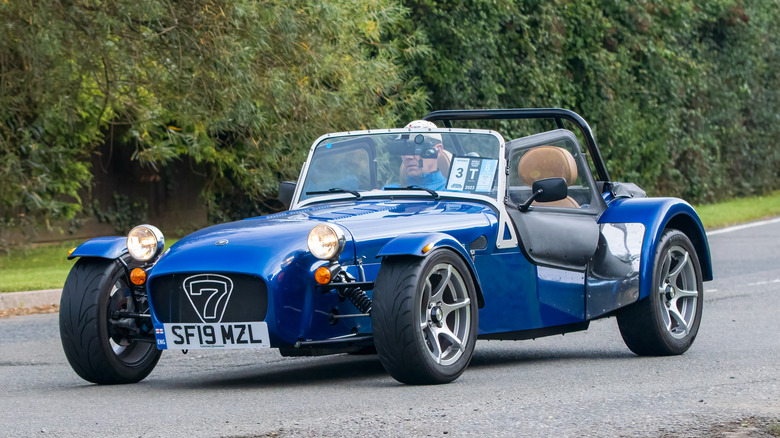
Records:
x=367, y=371
x=336, y=370
x=505, y=356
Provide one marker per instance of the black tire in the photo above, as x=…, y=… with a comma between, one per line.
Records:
x=417, y=332
x=92, y=344
x=666, y=322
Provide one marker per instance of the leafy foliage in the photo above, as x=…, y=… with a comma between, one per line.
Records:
x=124, y=214
x=243, y=86
x=681, y=94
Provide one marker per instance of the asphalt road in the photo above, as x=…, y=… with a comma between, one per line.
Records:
x=581, y=384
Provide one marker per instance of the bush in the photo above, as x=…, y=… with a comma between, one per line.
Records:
x=238, y=85
x=682, y=95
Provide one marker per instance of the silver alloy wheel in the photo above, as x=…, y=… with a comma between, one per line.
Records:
x=127, y=351
x=118, y=347
x=679, y=292
x=445, y=314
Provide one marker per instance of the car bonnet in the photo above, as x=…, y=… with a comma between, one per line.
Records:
x=263, y=245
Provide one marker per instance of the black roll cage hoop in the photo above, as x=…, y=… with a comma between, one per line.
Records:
x=556, y=114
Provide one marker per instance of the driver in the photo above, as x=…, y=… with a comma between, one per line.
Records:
x=424, y=172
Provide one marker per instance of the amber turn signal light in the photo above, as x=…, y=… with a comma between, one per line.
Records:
x=138, y=276
x=322, y=275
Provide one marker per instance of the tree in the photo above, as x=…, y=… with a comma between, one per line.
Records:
x=241, y=86
x=681, y=94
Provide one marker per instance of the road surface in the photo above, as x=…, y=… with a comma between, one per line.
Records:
x=581, y=384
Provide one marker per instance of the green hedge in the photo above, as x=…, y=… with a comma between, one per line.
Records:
x=240, y=86
x=682, y=95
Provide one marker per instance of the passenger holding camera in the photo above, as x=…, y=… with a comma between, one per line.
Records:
x=423, y=170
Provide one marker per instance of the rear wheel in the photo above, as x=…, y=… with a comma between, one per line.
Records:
x=666, y=322
x=424, y=317
x=99, y=348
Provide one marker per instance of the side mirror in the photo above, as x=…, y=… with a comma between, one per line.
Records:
x=286, y=192
x=546, y=190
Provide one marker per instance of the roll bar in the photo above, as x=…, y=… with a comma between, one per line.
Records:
x=556, y=114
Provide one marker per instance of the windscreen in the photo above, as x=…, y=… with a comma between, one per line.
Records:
x=464, y=162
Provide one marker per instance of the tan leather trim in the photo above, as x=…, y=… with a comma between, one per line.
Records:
x=568, y=202
x=547, y=162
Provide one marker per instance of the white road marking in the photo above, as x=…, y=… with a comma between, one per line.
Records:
x=743, y=226
x=711, y=290
x=761, y=283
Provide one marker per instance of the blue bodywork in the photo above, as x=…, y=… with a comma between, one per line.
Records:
x=515, y=295
x=539, y=270
x=658, y=214
x=110, y=247
x=274, y=249
x=495, y=240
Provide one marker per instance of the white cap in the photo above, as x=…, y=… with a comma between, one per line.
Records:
x=424, y=124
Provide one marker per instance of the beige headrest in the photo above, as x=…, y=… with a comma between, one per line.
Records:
x=547, y=162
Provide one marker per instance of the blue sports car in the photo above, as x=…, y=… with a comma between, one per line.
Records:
x=412, y=243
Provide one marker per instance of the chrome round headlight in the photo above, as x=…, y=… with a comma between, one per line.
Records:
x=145, y=242
x=326, y=242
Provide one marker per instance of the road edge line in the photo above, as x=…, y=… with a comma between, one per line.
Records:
x=743, y=226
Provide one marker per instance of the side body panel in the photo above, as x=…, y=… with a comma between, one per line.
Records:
x=613, y=272
x=522, y=296
x=657, y=214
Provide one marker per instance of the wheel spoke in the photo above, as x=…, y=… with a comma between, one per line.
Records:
x=437, y=296
x=667, y=264
x=447, y=308
x=675, y=314
x=433, y=338
x=682, y=293
x=454, y=340
x=118, y=348
x=680, y=266
x=667, y=320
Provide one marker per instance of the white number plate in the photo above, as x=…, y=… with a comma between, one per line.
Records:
x=223, y=335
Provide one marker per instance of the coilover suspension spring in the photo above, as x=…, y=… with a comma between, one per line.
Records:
x=359, y=298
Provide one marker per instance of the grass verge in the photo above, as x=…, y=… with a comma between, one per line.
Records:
x=737, y=211
x=38, y=268
x=41, y=267
x=46, y=266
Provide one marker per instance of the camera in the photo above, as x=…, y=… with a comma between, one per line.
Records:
x=414, y=144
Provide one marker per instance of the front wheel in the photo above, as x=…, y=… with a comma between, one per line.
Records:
x=99, y=348
x=424, y=317
x=666, y=322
